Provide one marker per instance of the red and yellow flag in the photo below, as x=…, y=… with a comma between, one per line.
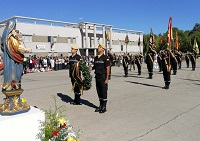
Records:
x=108, y=35
x=195, y=46
x=151, y=39
x=169, y=35
x=126, y=39
x=176, y=43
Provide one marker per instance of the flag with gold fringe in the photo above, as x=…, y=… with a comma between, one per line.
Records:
x=195, y=46
x=108, y=35
x=176, y=42
x=126, y=39
x=169, y=35
x=151, y=40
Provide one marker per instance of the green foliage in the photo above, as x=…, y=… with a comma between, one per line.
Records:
x=55, y=127
x=185, y=38
x=86, y=81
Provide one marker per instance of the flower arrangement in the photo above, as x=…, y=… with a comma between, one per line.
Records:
x=56, y=127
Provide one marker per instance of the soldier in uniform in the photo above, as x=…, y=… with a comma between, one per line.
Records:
x=73, y=59
x=102, y=70
x=125, y=62
x=166, y=67
x=187, y=59
x=132, y=62
x=138, y=61
x=174, y=63
x=178, y=56
x=150, y=61
x=193, y=60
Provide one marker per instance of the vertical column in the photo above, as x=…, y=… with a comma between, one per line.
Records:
x=86, y=38
x=103, y=33
x=95, y=52
x=110, y=42
x=86, y=35
x=95, y=36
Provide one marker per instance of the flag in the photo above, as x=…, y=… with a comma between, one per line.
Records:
x=169, y=35
x=176, y=43
x=161, y=40
x=139, y=41
x=126, y=39
x=195, y=46
x=108, y=35
x=151, y=39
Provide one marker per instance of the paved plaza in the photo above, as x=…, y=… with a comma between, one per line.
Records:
x=138, y=109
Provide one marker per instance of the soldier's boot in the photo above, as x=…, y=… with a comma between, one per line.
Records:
x=166, y=85
x=77, y=99
x=103, y=109
x=100, y=106
x=139, y=72
x=174, y=72
x=150, y=76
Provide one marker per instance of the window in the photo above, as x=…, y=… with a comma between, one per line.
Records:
x=27, y=38
x=37, y=38
x=62, y=40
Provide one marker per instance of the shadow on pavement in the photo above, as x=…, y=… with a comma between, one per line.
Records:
x=68, y=99
x=144, y=84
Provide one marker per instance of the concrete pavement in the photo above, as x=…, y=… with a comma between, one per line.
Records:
x=138, y=109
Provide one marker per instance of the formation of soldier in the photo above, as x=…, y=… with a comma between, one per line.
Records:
x=168, y=61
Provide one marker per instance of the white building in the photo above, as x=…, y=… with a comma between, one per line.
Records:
x=50, y=37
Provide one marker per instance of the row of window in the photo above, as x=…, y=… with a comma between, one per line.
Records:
x=51, y=39
x=122, y=42
x=71, y=40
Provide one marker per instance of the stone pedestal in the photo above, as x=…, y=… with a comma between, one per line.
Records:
x=13, y=104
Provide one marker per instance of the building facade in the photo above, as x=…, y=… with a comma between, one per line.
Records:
x=50, y=37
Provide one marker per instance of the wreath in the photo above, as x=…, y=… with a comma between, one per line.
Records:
x=84, y=81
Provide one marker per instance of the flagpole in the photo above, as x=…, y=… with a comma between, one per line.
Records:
x=126, y=48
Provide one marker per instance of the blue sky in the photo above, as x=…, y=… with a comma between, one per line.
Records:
x=140, y=15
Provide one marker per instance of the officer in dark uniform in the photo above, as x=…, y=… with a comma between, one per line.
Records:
x=178, y=56
x=110, y=57
x=187, y=59
x=193, y=60
x=73, y=59
x=166, y=67
x=150, y=61
x=174, y=63
x=102, y=70
x=125, y=62
x=138, y=61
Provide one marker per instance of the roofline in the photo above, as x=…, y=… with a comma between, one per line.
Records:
x=68, y=23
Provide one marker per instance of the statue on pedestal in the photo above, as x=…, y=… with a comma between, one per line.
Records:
x=13, y=55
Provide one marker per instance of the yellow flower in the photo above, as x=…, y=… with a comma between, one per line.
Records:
x=62, y=121
x=23, y=100
x=71, y=139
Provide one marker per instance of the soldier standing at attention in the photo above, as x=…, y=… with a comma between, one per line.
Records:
x=125, y=62
x=187, y=59
x=193, y=60
x=138, y=61
x=166, y=67
x=73, y=59
x=174, y=63
x=150, y=61
x=102, y=70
